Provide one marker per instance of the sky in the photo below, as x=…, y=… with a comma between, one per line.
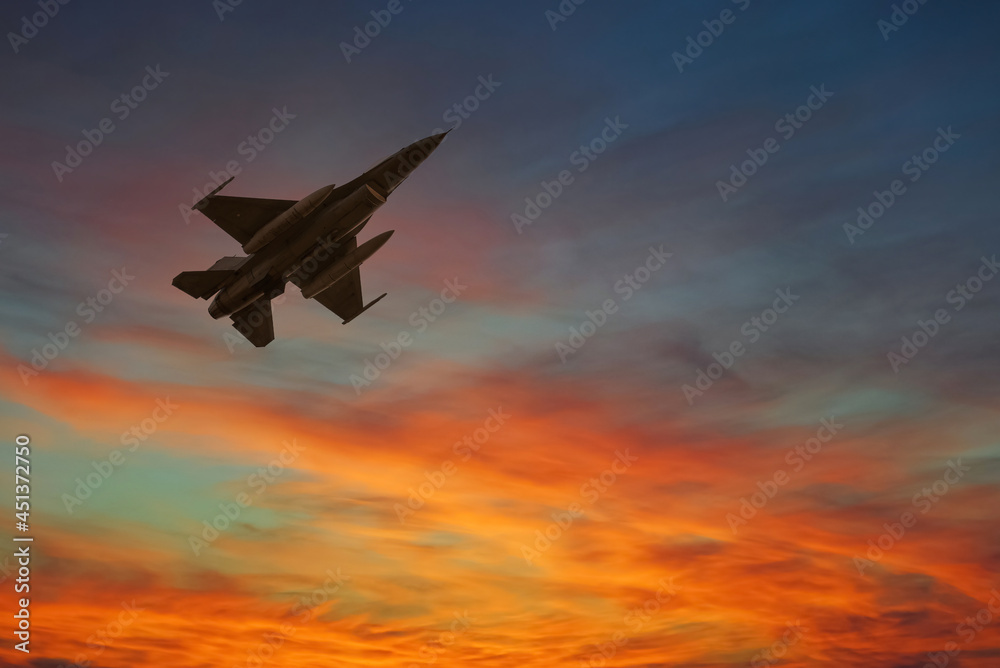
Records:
x=687, y=356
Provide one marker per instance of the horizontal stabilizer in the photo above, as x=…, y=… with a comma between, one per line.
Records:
x=202, y=284
x=255, y=322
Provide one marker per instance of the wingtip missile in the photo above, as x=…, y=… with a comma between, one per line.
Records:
x=204, y=200
x=367, y=306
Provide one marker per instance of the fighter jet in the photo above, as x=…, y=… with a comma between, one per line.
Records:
x=311, y=243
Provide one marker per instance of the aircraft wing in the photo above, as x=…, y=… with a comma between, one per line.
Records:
x=344, y=296
x=241, y=217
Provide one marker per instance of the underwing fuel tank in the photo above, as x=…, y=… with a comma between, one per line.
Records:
x=343, y=266
x=286, y=219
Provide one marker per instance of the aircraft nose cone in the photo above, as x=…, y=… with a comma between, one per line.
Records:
x=437, y=139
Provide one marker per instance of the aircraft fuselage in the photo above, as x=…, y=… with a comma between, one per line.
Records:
x=304, y=242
